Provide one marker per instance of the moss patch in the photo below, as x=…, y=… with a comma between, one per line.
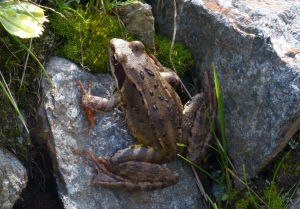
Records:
x=181, y=55
x=272, y=197
x=89, y=36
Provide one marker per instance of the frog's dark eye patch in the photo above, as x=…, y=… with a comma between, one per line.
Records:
x=114, y=59
x=120, y=75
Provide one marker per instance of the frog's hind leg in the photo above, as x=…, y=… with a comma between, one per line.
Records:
x=141, y=164
x=144, y=176
x=128, y=170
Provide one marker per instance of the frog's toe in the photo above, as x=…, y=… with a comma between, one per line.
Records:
x=99, y=163
x=103, y=178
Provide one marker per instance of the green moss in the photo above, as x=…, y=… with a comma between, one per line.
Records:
x=242, y=203
x=181, y=55
x=272, y=197
x=91, y=35
x=288, y=167
x=94, y=34
x=233, y=195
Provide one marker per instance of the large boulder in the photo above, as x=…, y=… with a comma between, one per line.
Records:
x=255, y=46
x=69, y=135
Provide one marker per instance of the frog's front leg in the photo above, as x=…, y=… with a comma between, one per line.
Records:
x=134, y=167
x=96, y=103
x=92, y=103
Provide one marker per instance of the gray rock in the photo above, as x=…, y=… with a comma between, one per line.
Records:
x=138, y=19
x=13, y=179
x=255, y=46
x=70, y=135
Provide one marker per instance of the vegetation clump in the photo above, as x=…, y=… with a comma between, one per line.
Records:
x=289, y=167
x=272, y=197
x=85, y=37
x=242, y=203
x=181, y=56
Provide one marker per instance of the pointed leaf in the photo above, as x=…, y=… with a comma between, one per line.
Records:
x=22, y=19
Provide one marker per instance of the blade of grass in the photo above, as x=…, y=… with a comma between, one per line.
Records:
x=9, y=96
x=212, y=203
x=204, y=171
x=221, y=111
x=280, y=163
x=26, y=61
x=247, y=186
x=222, y=126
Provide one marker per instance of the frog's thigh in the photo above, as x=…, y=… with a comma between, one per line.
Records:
x=140, y=163
x=137, y=152
x=146, y=172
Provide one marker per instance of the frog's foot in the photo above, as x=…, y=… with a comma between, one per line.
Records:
x=133, y=175
x=89, y=112
x=104, y=175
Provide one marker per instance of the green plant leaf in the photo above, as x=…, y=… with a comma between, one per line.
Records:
x=225, y=197
x=181, y=145
x=22, y=19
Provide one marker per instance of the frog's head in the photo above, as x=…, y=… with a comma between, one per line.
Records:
x=124, y=58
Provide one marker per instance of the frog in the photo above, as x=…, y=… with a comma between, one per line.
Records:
x=154, y=115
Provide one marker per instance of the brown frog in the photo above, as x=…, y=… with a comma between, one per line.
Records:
x=154, y=115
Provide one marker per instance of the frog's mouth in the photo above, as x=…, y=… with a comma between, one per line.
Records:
x=116, y=68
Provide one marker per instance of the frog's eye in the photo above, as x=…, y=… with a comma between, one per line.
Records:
x=114, y=59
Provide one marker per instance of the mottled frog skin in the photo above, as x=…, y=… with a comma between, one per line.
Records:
x=153, y=113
